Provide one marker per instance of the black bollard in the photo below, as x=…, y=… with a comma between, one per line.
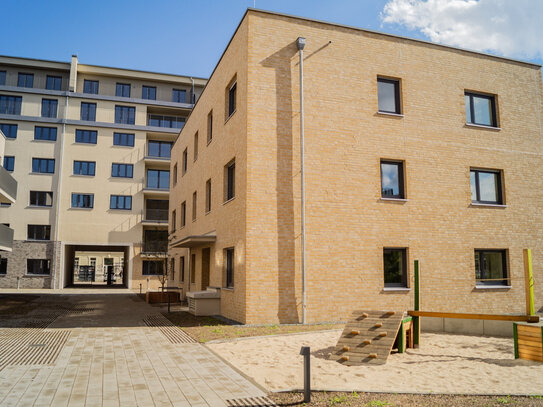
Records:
x=140, y=288
x=305, y=351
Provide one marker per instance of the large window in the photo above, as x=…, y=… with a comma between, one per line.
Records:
x=160, y=149
x=194, y=205
x=85, y=201
x=491, y=267
x=25, y=80
x=392, y=181
x=148, y=92
x=125, y=114
x=10, y=104
x=90, y=86
x=183, y=214
x=395, y=267
x=43, y=165
x=486, y=187
x=229, y=267
x=155, y=241
x=9, y=162
x=208, y=195
x=9, y=130
x=38, y=266
x=41, y=198
x=86, y=136
x=49, y=108
x=174, y=122
x=123, y=139
x=53, y=82
x=210, y=127
x=480, y=109
x=2, y=77
x=122, y=170
x=122, y=90
x=45, y=133
x=179, y=95
x=388, y=95
x=120, y=202
x=230, y=181
x=152, y=267
x=88, y=111
x=39, y=232
x=182, y=268
x=159, y=179
x=156, y=210
x=84, y=168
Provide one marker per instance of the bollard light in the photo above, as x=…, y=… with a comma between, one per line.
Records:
x=306, y=353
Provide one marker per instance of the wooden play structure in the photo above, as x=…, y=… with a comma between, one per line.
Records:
x=369, y=336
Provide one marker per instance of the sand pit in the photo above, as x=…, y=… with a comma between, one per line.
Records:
x=458, y=364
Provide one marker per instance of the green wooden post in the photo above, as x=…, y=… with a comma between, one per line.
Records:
x=401, y=343
x=529, y=281
x=416, y=320
x=515, y=336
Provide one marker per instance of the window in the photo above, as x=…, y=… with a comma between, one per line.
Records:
x=38, y=266
x=41, y=198
x=84, y=168
x=193, y=268
x=9, y=130
x=43, y=165
x=491, y=267
x=85, y=201
x=208, y=195
x=392, y=179
x=88, y=111
x=123, y=139
x=155, y=241
x=210, y=127
x=486, y=187
x=10, y=104
x=86, y=136
x=25, y=80
x=120, y=202
x=175, y=174
x=49, y=108
x=3, y=266
x=174, y=220
x=230, y=181
x=53, y=82
x=39, y=232
x=185, y=161
x=45, y=133
x=229, y=267
x=231, y=100
x=395, y=267
x=179, y=95
x=122, y=90
x=388, y=95
x=9, y=162
x=148, y=92
x=183, y=214
x=174, y=122
x=156, y=210
x=125, y=114
x=182, y=268
x=122, y=170
x=195, y=146
x=159, y=179
x=152, y=268
x=160, y=149
x=90, y=87
x=194, y=203
x=480, y=109
x=172, y=264
x=2, y=77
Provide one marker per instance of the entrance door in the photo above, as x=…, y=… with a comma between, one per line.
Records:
x=206, y=253
x=108, y=263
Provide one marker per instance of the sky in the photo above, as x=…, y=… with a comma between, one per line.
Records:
x=188, y=37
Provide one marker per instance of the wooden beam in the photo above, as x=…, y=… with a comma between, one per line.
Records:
x=529, y=282
x=490, y=317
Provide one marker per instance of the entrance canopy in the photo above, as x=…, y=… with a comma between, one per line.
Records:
x=195, y=240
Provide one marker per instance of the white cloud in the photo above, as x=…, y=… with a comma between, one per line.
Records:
x=511, y=28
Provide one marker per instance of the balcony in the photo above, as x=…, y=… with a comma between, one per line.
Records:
x=155, y=243
x=6, y=238
x=158, y=153
x=8, y=187
x=155, y=217
x=172, y=122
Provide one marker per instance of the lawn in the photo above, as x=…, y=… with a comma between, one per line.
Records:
x=205, y=329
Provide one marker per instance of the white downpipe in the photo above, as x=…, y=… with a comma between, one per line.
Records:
x=300, y=42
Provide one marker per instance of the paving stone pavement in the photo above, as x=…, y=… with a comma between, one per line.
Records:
x=109, y=356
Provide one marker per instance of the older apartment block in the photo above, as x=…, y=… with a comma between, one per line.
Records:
x=412, y=151
x=90, y=149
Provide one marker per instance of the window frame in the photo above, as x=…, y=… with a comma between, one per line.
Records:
x=230, y=180
x=43, y=235
x=9, y=163
x=182, y=268
x=115, y=198
x=229, y=260
x=120, y=89
x=194, y=206
x=39, y=161
x=90, y=165
x=12, y=104
x=118, y=138
x=231, y=98
x=10, y=126
x=81, y=134
x=167, y=187
x=183, y=214
x=147, y=91
x=159, y=144
x=54, y=80
x=180, y=91
x=208, y=196
x=40, y=131
x=117, y=174
x=47, y=267
x=505, y=282
x=158, y=263
x=401, y=178
x=405, y=268
x=25, y=76
x=88, y=112
x=125, y=114
x=397, y=95
x=210, y=127
x=47, y=106
x=498, y=176
x=81, y=197
x=37, y=198
x=3, y=266
x=185, y=161
x=174, y=221
x=91, y=83
x=493, y=111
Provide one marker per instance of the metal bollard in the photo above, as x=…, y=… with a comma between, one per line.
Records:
x=305, y=351
x=18, y=282
x=140, y=288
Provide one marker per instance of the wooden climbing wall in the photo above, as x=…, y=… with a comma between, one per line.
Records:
x=368, y=338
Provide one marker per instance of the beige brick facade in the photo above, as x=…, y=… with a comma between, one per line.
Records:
x=347, y=222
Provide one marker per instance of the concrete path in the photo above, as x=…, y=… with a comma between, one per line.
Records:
x=110, y=350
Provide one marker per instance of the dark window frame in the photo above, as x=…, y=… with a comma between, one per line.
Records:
x=3, y=75
x=174, y=221
x=119, y=137
x=91, y=86
x=397, y=94
x=405, y=268
x=182, y=268
x=493, y=115
x=79, y=168
x=49, y=108
x=229, y=259
x=498, y=176
x=44, y=264
x=183, y=214
x=194, y=205
x=125, y=114
x=159, y=144
x=401, y=178
x=88, y=112
x=40, y=198
x=116, y=170
x=9, y=163
x=26, y=78
x=44, y=133
x=208, y=196
x=179, y=92
x=3, y=266
x=148, y=266
x=159, y=185
x=499, y=282
x=210, y=127
x=53, y=82
x=9, y=130
x=84, y=201
x=231, y=101
x=230, y=181
x=81, y=136
x=115, y=202
x=148, y=92
x=38, y=232
x=121, y=89
x=11, y=104
x=39, y=161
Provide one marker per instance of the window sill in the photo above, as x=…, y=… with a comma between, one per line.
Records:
x=229, y=200
x=398, y=289
x=79, y=143
x=114, y=209
x=492, y=287
x=38, y=240
x=42, y=173
x=39, y=207
x=231, y=289
x=209, y=142
x=82, y=175
x=43, y=141
x=80, y=209
x=482, y=126
x=396, y=200
x=380, y=113
x=114, y=145
x=37, y=275
x=228, y=118
x=485, y=205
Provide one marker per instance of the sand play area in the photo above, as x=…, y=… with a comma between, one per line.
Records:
x=443, y=364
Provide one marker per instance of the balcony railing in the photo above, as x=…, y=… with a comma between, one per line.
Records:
x=155, y=246
x=8, y=187
x=156, y=215
x=174, y=122
x=6, y=238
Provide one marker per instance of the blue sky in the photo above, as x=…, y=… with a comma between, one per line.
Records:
x=188, y=37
